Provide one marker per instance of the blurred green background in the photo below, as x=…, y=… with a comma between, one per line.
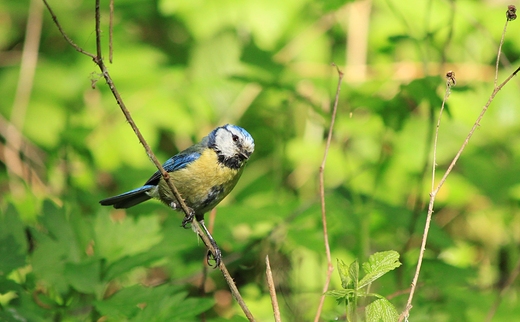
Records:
x=185, y=67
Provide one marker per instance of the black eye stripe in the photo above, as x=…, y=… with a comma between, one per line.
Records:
x=234, y=137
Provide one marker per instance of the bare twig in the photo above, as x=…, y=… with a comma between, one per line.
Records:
x=111, y=32
x=322, y=197
x=60, y=29
x=450, y=81
x=404, y=315
x=441, y=183
x=500, y=52
x=272, y=290
x=98, y=59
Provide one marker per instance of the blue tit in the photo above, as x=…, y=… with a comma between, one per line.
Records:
x=204, y=174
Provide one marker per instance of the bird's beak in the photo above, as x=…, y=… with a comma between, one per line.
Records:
x=244, y=155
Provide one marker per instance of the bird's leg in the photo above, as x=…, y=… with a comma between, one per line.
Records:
x=188, y=218
x=217, y=256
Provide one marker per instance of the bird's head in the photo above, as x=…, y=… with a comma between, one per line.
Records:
x=232, y=144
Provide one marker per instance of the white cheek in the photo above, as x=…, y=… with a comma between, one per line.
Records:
x=226, y=146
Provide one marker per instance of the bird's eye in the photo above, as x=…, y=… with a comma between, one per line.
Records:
x=235, y=138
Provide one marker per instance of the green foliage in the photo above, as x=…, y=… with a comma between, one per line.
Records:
x=184, y=67
x=356, y=288
x=72, y=262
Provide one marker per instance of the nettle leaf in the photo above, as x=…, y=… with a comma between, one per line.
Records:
x=346, y=282
x=174, y=308
x=13, y=244
x=48, y=262
x=84, y=276
x=12, y=254
x=353, y=272
x=128, y=263
x=130, y=236
x=381, y=310
x=379, y=264
x=342, y=296
x=128, y=301
x=162, y=303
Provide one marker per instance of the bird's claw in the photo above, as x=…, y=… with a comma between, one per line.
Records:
x=188, y=219
x=217, y=257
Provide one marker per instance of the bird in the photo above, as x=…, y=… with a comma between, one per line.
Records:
x=204, y=174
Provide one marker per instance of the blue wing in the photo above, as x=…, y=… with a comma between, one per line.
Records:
x=177, y=162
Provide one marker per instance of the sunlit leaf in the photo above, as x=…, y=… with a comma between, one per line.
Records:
x=381, y=310
x=379, y=264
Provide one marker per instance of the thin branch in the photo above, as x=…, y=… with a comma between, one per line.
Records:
x=450, y=81
x=272, y=290
x=404, y=315
x=322, y=198
x=500, y=52
x=98, y=59
x=60, y=29
x=111, y=32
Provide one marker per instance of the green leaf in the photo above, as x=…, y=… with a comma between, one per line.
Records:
x=353, y=273
x=342, y=296
x=340, y=293
x=48, y=262
x=346, y=282
x=128, y=301
x=13, y=244
x=162, y=303
x=381, y=310
x=379, y=264
x=115, y=240
x=174, y=308
x=128, y=263
x=84, y=277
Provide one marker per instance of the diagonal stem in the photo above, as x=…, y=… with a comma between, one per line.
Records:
x=98, y=60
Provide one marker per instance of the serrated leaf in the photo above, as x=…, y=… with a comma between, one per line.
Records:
x=342, y=296
x=84, y=277
x=13, y=244
x=127, y=263
x=48, y=262
x=339, y=293
x=127, y=302
x=381, y=310
x=353, y=273
x=174, y=308
x=378, y=265
x=162, y=303
x=346, y=282
x=115, y=240
x=12, y=254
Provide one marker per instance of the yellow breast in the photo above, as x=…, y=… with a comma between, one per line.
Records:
x=203, y=183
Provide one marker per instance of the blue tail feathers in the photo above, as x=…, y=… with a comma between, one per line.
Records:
x=129, y=198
